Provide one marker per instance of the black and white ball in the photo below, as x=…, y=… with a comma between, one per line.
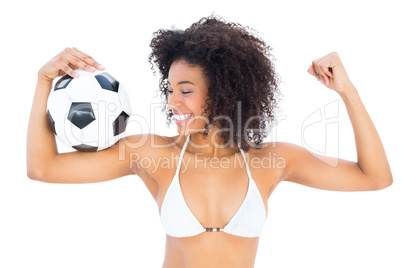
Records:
x=88, y=113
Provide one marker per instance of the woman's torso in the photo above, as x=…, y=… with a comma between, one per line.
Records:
x=213, y=190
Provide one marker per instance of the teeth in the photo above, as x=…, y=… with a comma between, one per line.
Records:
x=181, y=117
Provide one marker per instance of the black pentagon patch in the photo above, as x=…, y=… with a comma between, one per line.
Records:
x=107, y=82
x=63, y=82
x=119, y=125
x=85, y=148
x=51, y=122
x=81, y=114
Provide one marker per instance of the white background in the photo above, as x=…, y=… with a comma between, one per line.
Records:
x=116, y=223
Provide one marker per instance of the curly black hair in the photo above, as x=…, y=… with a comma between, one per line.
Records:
x=243, y=84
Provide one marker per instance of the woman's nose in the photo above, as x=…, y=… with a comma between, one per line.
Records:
x=174, y=101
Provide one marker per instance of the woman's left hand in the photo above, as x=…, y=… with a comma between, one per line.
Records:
x=329, y=71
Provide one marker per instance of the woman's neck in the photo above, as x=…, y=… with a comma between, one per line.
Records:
x=211, y=145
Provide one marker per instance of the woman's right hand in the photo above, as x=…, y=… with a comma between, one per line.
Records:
x=66, y=62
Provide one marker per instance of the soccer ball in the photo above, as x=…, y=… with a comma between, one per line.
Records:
x=88, y=113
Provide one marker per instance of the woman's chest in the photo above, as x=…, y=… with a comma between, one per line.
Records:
x=215, y=189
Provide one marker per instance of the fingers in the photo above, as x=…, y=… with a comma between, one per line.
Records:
x=87, y=59
x=316, y=73
x=67, y=69
x=328, y=72
x=72, y=58
x=318, y=69
x=323, y=68
x=321, y=72
x=311, y=71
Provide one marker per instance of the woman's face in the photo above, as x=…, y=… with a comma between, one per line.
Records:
x=188, y=90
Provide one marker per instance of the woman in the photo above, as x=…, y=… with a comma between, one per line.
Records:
x=219, y=84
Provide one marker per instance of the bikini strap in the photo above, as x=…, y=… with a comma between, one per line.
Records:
x=244, y=157
x=181, y=153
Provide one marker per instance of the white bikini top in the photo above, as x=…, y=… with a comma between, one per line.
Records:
x=178, y=220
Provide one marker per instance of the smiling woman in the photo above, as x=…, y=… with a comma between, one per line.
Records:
x=187, y=89
x=240, y=81
x=218, y=82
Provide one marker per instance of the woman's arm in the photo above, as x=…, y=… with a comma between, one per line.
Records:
x=371, y=171
x=371, y=156
x=41, y=144
x=43, y=161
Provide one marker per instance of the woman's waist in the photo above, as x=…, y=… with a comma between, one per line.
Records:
x=210, y=249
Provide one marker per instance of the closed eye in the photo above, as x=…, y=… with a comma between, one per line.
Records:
x=184, y=92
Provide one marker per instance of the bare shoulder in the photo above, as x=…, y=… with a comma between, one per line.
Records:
x=280, y=150
x=270, y=158
x=147, y=140
x=280, y=156
x=149, y=152
x=149, y=144
x=285, y=153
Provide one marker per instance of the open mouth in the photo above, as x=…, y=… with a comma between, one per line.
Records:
x=182, y=118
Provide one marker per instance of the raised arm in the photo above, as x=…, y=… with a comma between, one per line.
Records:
x=371, y=171
x=44, y=163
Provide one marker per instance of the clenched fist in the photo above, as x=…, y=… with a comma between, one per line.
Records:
x=330, y=71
